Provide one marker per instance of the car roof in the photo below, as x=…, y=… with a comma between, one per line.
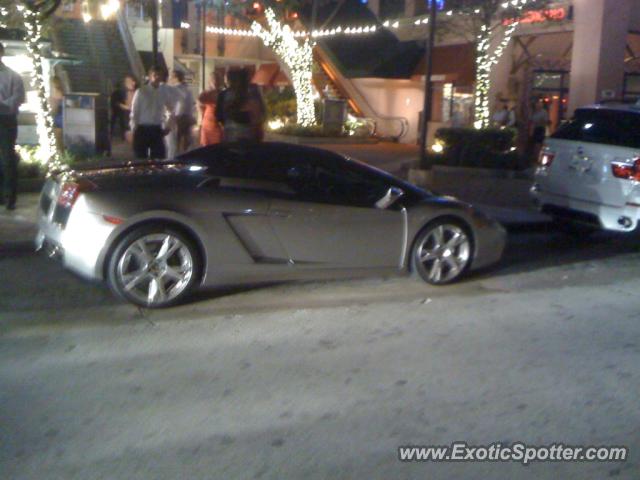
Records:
x=614, y=106
x=262, y=146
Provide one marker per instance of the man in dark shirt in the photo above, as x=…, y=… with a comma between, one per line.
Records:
x=11, y=97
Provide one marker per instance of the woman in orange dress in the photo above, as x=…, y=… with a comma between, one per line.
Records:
x=210, y=131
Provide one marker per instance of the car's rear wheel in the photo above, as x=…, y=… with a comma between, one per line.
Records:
x=154, y=266
x=442, y=252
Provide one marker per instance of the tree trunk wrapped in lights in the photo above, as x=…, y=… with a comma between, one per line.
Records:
x=296, y=59
x=48, y=149
x=31, y=15
x=485, y=60
x=484, y=19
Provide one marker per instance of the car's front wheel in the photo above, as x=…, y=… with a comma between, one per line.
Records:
x=154, y=266
x=442, y=252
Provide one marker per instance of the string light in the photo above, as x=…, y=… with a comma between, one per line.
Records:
x=485, y=60
x=329, y=32
x=47, y=151
x=86, y=14
x=109, y=9
x=4, y=14
x=297, y=59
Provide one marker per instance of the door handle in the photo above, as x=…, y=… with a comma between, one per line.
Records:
x=280, y=213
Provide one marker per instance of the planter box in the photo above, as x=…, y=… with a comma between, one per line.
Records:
x=30, y=185
x=420, y=177
x=277, y=137
x=485, y=172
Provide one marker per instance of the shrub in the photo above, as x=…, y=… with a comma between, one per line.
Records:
x=468, y=147
x=280, y=104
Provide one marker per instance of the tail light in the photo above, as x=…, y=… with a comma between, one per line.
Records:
x=69, y=192
x=627, y=170
x=546, y=159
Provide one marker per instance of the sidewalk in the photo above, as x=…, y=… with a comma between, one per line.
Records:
x=18, y=227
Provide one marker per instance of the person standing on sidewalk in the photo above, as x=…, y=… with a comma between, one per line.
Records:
x=152, y=104
x=121, y=101
x=240, y=109
x=210, y=131
x=185, y=118
x=11, y=97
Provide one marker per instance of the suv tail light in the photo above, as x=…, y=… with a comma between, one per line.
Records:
x=546, y=159
x=627, y=170
x=69, y=192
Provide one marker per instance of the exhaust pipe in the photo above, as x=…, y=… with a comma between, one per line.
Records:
x=625, y=222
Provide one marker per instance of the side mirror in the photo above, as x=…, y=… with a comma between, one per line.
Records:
x=393, y=194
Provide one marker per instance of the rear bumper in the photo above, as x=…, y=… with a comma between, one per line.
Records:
x=609, y=217
x=79, y=244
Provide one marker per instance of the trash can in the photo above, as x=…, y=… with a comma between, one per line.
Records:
x=85, y=124
x=333, y=116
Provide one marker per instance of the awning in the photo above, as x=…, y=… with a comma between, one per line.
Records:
x=453, y=63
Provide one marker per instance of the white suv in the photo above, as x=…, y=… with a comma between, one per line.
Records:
x=589, y=170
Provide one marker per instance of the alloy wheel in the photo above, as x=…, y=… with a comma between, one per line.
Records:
x=155, y=268
x=442, y=253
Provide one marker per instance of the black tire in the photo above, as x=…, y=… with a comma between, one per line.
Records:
x=426, y=255
x=169, y=281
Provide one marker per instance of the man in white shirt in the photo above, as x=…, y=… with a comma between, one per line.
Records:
x=11, y=97
x=152, y=105
x=185, y=108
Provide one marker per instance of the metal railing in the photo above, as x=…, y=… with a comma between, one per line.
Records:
x=127, y=39
x=349, y=90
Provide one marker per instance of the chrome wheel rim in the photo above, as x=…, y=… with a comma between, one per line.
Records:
x=155, y=269
x=444, y=253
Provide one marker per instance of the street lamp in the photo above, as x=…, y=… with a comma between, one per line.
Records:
x=428, y=87
x=154, y=31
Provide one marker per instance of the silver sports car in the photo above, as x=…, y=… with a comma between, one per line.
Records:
x=231, y=214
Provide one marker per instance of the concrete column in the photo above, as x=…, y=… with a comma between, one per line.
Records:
x=410, y=8
x=599, y=40
x=374, y=6
x=500, y=76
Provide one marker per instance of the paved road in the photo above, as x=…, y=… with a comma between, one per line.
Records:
x=322, y=379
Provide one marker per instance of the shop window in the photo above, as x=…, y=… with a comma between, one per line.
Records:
x=552, y=89
x=631, y=90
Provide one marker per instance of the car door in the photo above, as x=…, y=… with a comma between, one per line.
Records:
x=237, y=210
x=331, y=220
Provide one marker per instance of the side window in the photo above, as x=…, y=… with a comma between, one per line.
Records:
x=572, y=130
x=610, y=127
x=335, y=183
x=248, y=170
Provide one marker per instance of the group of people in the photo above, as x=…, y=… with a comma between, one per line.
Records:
x=158, y=118
x=505, y=116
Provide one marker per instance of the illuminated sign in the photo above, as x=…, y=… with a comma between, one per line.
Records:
x=540, y=16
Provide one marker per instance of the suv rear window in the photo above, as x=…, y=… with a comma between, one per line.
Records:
x=610, y=127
